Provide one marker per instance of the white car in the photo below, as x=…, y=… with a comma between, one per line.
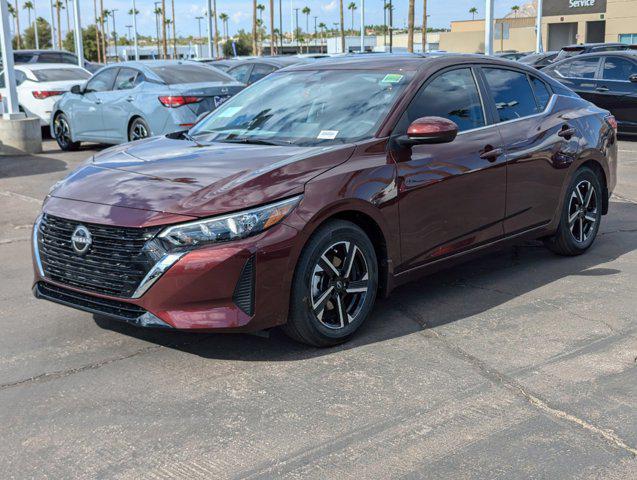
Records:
x=39, y=85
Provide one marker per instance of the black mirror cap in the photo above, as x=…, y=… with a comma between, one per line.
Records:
x=633, y=78
x=76, y=89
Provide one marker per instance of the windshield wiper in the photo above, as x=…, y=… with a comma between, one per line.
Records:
x=254, y=141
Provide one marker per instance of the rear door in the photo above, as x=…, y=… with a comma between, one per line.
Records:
x=579, y=74
x=118, y=104
x=617, y=93
x=259, y=71
x=451, y=194
x=537, y=153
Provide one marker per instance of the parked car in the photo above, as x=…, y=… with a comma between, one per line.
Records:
x=539, y=60
x=511, y=55
x=609, y=80
x=252, y=70
x=223, y=63
x=581, y=49
x=51, y=56
x=323, y=186
x=133, y=100
x=40, y=85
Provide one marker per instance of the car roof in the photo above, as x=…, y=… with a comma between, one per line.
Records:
x=43, y=51
x=618, y=53
x=46, y=66
x=592, y=45
x=278, y=61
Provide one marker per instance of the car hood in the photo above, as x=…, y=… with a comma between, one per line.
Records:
x=185, y=178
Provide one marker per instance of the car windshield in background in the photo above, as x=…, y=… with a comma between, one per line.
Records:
x=568, y=52
x=175, y=74
x=306, y=108
x=60, y=74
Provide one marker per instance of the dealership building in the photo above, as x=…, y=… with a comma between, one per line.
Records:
x=564, y=22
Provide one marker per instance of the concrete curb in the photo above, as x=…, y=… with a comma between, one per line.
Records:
x=20, y=136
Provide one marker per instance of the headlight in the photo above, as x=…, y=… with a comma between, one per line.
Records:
x=229, y=227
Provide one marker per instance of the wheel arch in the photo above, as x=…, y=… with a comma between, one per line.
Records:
x=133, y=117
x=597, y=167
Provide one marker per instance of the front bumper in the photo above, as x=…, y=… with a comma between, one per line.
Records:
x=238, y=286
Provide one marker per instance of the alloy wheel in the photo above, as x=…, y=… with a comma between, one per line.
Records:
x=62, y=130
x=139, y=131
x=339, y=285
x=582, y=211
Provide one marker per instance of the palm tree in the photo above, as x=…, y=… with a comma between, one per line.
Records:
x=424, y=26
x=473, y=11
x=59, y=6
x=215, y=26
x=68, y=20
x=12, y=12
x=224, y=24
x=97, y=33
x=105, y=15
x=254, y=27
x=157, y=13
x=28, y=6
x=306, y=11
x=515, y=9
x=103, y=32
x=272, y=36
x=322, y=27
x=352, y=7
x=410, y=25
x=163, y=29
x=342, y=26
x=17, y=24
x=172, y=2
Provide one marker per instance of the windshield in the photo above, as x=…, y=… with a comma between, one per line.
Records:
x=568, y=52
x=59, y=74
x=184, y=73
x=306, y=108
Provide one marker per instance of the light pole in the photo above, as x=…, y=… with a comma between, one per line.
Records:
x=281, y=25
x=157, y=27
x=35, y=27
x=315, y=33
x=13, y=110
x=79, y=41
x=210, y=52
x=199, y=19
x=391, y=27
x=135, y=32
x=128, y=28
x=362, y=26
x=488, y=28
x=115, y=33
x=538, y=28
x=54, y=42
x=296, y=26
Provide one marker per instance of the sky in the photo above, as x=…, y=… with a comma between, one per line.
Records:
x=441, y=13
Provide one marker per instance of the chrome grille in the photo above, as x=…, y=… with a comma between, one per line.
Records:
x=114, y=265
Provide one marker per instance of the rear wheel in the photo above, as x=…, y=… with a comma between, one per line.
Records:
x=334, y=286
x=138, y=129
x=581, y=215
x=62, y=132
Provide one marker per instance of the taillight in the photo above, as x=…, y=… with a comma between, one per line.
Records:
x=171, y=101
x=42, y=94
x=612, y=121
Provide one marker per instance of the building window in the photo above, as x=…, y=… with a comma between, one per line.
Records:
x=629, y=38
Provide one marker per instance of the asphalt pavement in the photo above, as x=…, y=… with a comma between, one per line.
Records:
x=517, y=365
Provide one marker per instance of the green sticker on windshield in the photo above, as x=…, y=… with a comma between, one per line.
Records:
x=392, y=78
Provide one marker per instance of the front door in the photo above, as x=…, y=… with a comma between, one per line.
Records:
x=451, y=195
x=86, y=116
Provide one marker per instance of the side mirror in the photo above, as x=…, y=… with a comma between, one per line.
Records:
x=428, y=130
x=77, y=90
x=633, y=78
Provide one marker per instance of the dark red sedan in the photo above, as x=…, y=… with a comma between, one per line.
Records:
x=322, y=186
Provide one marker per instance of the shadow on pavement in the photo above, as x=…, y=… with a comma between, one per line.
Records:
x=433, y=301
x=22, y=166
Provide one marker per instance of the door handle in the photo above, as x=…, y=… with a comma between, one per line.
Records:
x=602, y=89
x=490, y=153
x=98, y=102
x=130, y=99
x=566, y=132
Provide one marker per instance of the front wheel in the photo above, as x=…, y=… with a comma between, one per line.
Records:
x=334, y=286
x=581, y=215
x=62, y=132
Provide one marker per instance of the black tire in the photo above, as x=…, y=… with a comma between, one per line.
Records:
x=138, y=130
x=581, y=215
x=318, y=289
x=62, y=133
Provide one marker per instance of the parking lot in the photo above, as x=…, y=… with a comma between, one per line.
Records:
x=521, y=364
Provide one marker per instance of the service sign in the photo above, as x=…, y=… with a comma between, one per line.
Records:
x=572, y=7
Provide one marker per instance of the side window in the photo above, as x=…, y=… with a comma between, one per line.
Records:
x=453, y=95
x=261, y=70
x=616, y=68
x=542, y=93
x=20, y=77
x=241, y=73
x=125, y=79
x=103, y=81
x=584, y=67
x=50, y=57
x=512, y=93
x=69, y=58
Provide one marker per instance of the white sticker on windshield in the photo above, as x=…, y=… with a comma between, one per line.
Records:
x=229, y=112
x=327, y=134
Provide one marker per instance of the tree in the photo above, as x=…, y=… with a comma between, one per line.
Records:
x=272, y=35
x=254, y=27
x=322, y=27
x=306, y=11
x=410, y=25
x=352, y=7
x=15, y=11
x=473, y=11
x=241, y=41
x=28, y=6
x=515, y=9
x=59, y=6
x=163, y=26
x=15, y=41
x=44, y=34
x=424, y=26
x=224, y=24
x=97, y=33
x=91, y=40
x=172, y=3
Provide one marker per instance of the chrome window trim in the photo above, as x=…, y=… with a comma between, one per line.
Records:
x=549, y=107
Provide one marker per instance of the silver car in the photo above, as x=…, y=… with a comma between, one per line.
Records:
x=133, y=100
